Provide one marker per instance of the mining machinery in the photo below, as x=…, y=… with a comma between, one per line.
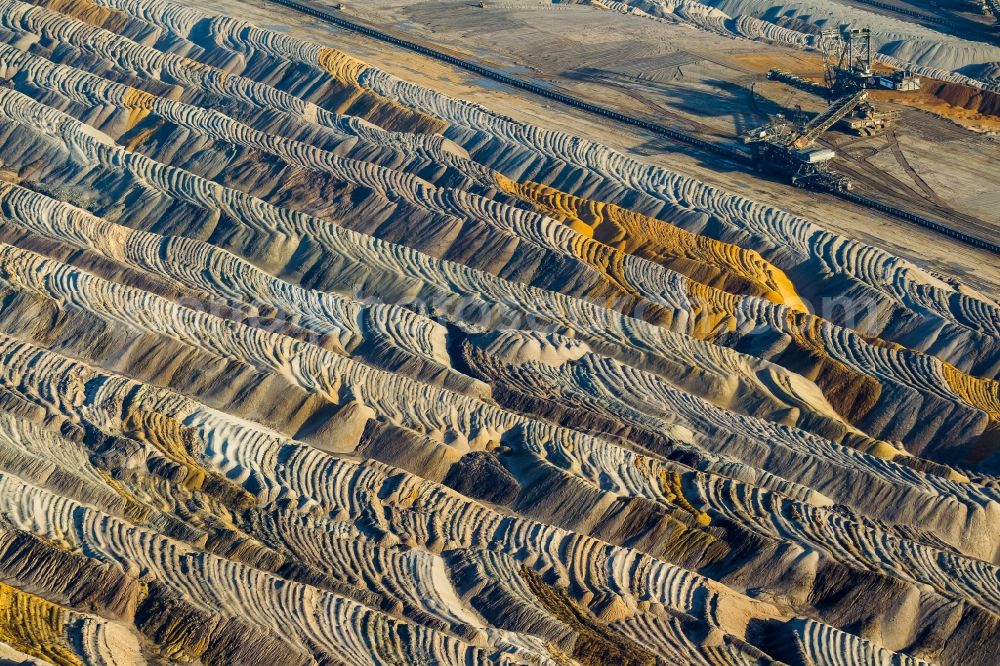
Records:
x=848, y=70
x=786, y=148
x=848, y=59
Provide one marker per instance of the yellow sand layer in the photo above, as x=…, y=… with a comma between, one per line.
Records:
x=713, y=311
x=177, y=443
x=674, y=490
x=718, y=264
x=981, y=393
x=89, y=12
x=139, y=103
x=850, y=392
x=349, y=98
x=355, y=100
x=342, y=67
x=35, y=626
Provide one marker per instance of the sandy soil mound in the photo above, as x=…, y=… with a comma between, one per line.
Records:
x=301, y=363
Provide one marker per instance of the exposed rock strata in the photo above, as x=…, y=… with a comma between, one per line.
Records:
x=301, y=363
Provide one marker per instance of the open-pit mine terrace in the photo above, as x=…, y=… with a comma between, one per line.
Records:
x=303, y=363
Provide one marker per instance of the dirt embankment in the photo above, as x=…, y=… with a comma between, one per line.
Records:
x=983, y=102
x=975, y=109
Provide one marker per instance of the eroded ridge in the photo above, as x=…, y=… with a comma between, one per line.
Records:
x=301, y=363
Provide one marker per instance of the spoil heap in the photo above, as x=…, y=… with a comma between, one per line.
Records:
x=302, y=363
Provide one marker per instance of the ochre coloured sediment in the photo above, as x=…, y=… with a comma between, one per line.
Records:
x=290, y=374
x=36, y=627
x=722, y=265
x=139, y=103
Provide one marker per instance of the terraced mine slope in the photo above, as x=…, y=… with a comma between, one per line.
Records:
x=301, y=363
x=704, y=74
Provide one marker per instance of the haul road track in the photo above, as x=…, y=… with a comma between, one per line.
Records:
x=729, y=152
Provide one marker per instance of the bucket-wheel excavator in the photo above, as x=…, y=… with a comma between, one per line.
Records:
x=847, y=69
x=786, y=148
